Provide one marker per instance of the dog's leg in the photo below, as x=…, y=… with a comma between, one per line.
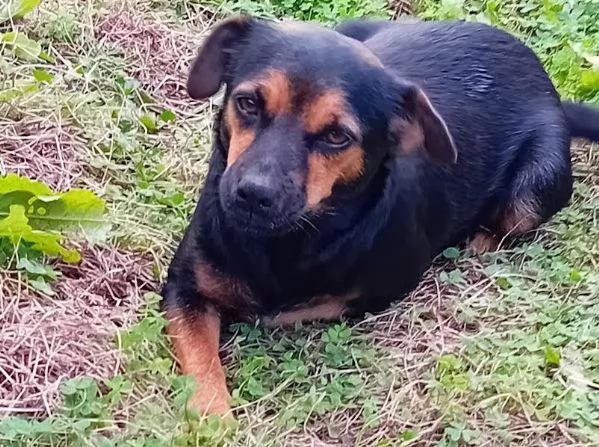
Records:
x=195, y=337
x=484, y=241
x=540, y=186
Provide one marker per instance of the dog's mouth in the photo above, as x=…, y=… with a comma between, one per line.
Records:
x=260, y=226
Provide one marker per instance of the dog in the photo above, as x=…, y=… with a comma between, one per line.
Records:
x=345, y=160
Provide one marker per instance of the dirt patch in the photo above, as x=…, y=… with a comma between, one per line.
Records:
x=42, y=150
x=158, y=55
x=47, y=340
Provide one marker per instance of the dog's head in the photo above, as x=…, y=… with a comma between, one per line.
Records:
x=309, y=117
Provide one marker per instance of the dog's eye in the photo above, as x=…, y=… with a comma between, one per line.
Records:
x=247, y=105
x=336, y=138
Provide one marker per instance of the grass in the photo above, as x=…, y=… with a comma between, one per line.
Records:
x=491, y=351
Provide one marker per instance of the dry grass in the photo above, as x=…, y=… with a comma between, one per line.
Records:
x=47, y=340
x=158, y=55
x=401, y=8
x=42, y=150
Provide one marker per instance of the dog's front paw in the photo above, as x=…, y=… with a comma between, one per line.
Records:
x=211, y=403
x=483, y=242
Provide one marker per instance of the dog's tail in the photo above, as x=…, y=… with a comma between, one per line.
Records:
x=583, y=120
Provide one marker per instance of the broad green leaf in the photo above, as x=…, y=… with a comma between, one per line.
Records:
x=15, y=224
x=24, y=7
x=174, y=199
x=16, y=228
x=16, y=9
x=14, y=182
x=75, y=211
x=23, y=47
x=31, y=213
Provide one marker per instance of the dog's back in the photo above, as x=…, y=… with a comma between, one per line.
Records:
x=475, y=75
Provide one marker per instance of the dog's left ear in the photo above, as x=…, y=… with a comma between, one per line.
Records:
x=210, y=66
x=420, y=126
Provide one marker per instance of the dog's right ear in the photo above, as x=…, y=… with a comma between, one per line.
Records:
x=209, y=67
x=420, y=126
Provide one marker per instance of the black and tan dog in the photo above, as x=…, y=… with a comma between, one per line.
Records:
x=345, y=160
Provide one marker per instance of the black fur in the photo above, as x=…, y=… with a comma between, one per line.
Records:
x=510, y=128
x=362, y=30
x=583, y=121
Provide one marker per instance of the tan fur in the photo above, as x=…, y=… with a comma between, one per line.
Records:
x=220, y=289
x=326, y=109
x=519, y=218
x=195, y=338
x=325, y=308
x=483, y=242
x=240, y=138
x=324, y=172
x=277, y=93
x=412, y=135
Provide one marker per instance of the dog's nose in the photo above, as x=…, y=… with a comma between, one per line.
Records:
x=256, y=193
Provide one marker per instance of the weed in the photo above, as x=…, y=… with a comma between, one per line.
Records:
x=319, y=10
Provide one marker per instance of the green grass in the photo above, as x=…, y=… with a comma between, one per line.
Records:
x=502, y=350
